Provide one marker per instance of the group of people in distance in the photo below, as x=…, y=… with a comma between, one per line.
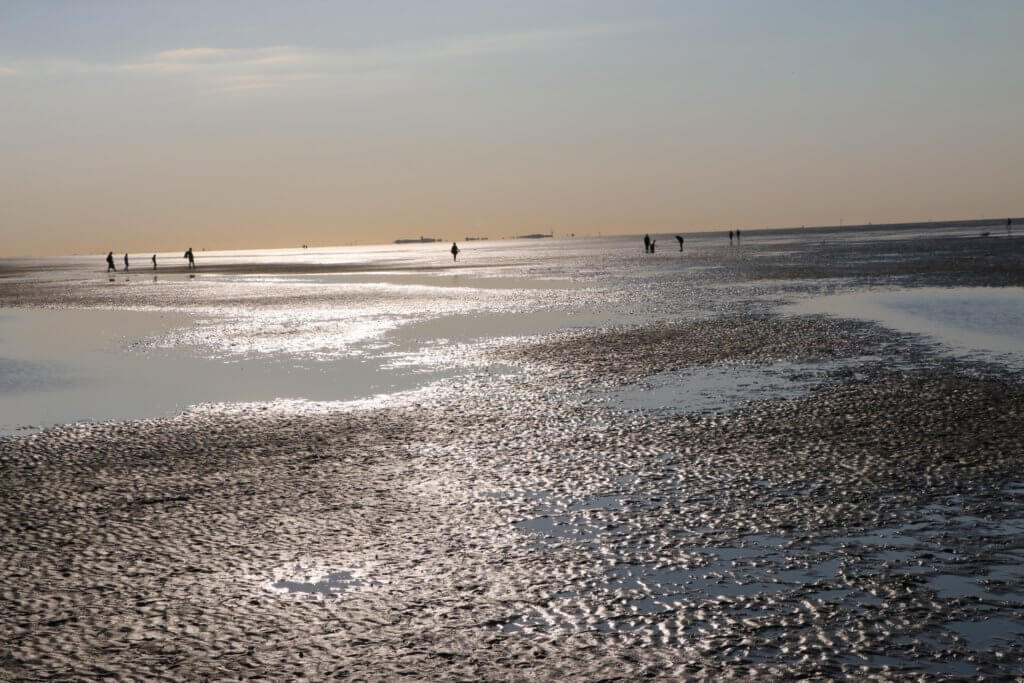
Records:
x=111, y=266
x=649, y=243
x=648, y=248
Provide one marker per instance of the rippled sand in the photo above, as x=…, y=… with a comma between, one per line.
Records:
x=529, y=524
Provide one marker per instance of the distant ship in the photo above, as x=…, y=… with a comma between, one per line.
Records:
x=535, y=236
x=421, y=240
x=476, y=239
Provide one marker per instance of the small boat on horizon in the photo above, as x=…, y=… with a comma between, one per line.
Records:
x=421, y=240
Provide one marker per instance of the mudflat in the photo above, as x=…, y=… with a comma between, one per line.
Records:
x=844, y=500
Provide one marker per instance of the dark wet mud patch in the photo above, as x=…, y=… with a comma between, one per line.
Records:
x=629, y=353
x=940, y=261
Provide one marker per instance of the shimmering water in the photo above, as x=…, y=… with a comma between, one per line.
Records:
x=350, y=323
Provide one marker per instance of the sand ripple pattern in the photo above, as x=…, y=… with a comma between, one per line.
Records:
x=506, y=528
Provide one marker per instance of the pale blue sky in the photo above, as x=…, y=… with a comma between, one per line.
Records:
x=145, y=125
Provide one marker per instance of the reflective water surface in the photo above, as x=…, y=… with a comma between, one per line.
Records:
x=973, y=321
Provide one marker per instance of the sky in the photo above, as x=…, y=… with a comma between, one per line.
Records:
x=145, y=126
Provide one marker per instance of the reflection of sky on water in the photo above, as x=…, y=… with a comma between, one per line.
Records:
x=61, y=366
x=74, y=365
x=986, y=322
x=17, y=376
x=718, y=388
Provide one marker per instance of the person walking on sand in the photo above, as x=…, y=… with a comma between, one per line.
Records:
x=647, y=244
x=679, y=238
x=730, y=238
x=110, y=262
x=455, y=252
x=737, y=237
x=652, y=245
x=154, y=261
x=191, y=259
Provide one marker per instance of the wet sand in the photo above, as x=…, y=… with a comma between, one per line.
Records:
x=528, y=525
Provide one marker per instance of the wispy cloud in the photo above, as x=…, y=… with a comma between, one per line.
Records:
x=214, y=61
x=194, y=53
x=273, y=67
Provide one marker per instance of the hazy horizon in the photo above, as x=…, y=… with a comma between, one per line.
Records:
x=993, y=223
x=146, y=127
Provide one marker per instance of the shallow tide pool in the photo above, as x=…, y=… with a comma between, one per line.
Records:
x=984, y=323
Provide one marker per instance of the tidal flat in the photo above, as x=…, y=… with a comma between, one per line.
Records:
x=562, y=459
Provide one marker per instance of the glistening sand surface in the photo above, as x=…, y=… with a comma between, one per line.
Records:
x=530, y=516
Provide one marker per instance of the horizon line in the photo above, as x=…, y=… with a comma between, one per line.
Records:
x=966, y=222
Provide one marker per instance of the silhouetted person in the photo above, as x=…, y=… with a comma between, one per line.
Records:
x=730, y=238
x=154, y=261
x=110, y=262
x=126, y=261
x=191, y=259
x=737, y=235
x=652, y=245
x=647, y=244
x=679, y=238
x=455, y=252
